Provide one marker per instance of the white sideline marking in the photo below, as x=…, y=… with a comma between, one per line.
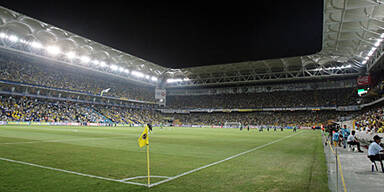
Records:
x=217, y=162
x=60, y=140
x=71, y=172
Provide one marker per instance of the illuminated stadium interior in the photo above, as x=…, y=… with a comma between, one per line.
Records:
x=73, y=110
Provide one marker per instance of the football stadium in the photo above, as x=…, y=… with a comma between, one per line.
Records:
x=194, y=113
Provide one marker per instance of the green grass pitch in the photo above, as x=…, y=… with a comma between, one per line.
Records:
x=296, y=162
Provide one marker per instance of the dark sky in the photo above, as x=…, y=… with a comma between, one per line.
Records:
x=189, y=34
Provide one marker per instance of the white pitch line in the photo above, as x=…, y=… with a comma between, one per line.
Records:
x=217, y=162
x=140, y=177
x=71, y=172
x=60, y=140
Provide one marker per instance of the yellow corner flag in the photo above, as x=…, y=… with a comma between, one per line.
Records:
x=143, y=139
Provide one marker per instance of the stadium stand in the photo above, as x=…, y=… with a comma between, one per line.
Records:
x=43, y=110
x=65, y=78
x=297, y=118
x=337, y=97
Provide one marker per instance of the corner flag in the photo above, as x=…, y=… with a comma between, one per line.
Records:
x=143, y=139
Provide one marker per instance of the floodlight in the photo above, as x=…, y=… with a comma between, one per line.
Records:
x=13, y=38
x=53, y=50
x=114, y=67
x=370, y=53
x=96, y=62
x=85, y=59
x=173, y=80
x=153, y=78
x=36, y=45
x=71, y=55
x=137, y=74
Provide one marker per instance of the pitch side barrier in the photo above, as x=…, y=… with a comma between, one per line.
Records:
x=27, y=123
x=245, y=127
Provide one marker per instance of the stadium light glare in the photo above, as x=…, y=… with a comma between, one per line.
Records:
x=153, y=78
x=13, y=38
x=147, y=76
x=126, y=70
x=103, y=64
x=85, y=59
x=96, y=62
x=173, y=80
x=138, y=74
x=114, y=67
x=53, y=50
x=71, y=55
x=3, y=35
x=370, y=53
x=36, y=45
x=121, y=69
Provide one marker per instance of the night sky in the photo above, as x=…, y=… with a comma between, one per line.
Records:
x=189, y=34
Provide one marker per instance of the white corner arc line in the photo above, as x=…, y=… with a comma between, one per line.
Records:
x=140, y=177
x=217, y=162
x=71, y=172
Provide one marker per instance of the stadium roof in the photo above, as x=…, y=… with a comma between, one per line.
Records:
x=352, y=43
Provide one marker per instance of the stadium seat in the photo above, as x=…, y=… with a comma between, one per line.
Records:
x=374, y=164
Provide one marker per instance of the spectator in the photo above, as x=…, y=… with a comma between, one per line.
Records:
x=351, y=140
x=374, y=150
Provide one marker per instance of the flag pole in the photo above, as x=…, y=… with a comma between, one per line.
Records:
x=149, y=178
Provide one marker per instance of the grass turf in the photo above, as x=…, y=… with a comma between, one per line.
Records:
x=296, y=163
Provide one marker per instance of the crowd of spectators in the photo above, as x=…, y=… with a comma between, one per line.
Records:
x=72, y=79
x=25, y=109
x=42, y=110
x=370, y=120
x=15, y=108
x=336, y=97
x=297, y=118
x=129, y=115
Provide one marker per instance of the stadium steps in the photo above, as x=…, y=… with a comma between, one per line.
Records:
x=107, y=120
